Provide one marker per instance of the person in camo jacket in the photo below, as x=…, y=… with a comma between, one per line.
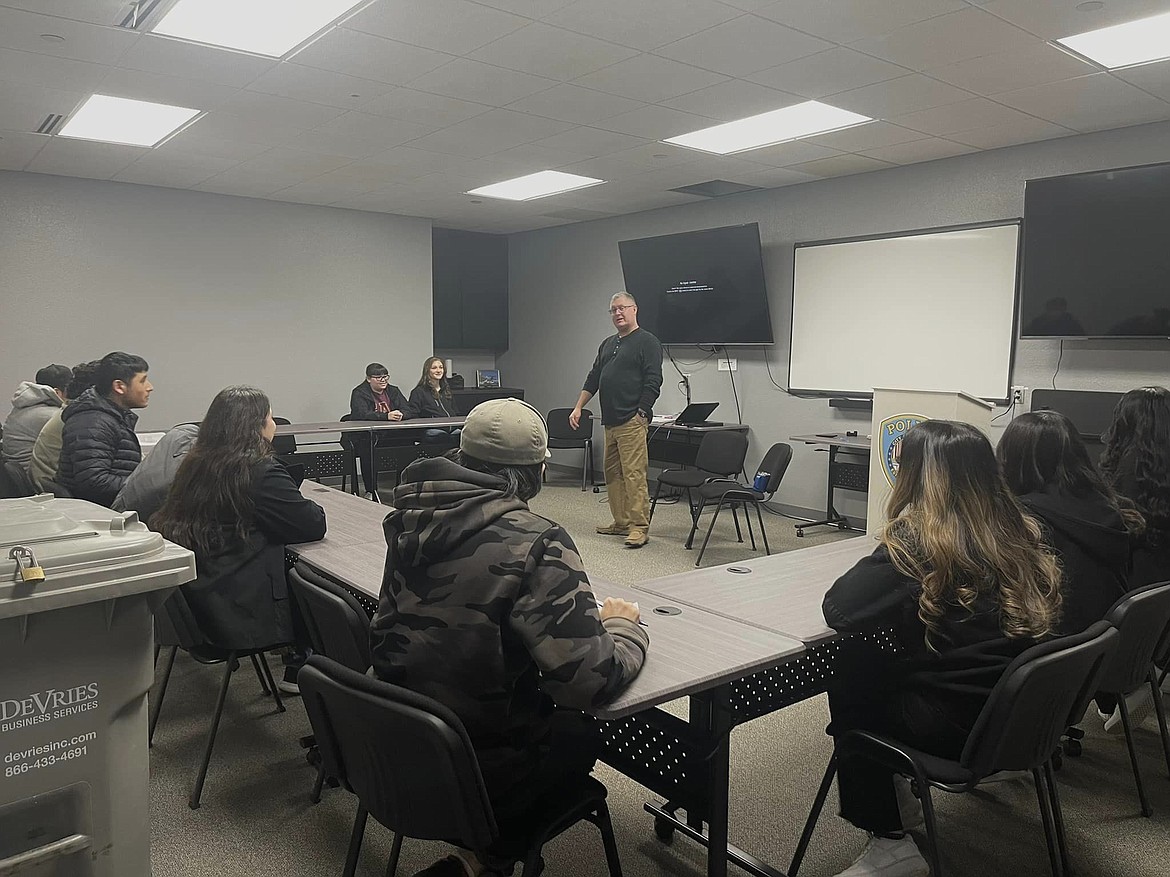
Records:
x=486, y=608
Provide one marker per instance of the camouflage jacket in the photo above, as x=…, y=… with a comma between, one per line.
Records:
x=486, y=608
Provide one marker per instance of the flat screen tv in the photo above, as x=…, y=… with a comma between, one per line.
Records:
x=700, y=287
x=1096, y=255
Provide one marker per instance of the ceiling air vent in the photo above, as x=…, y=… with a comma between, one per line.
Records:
x=49, y=126
x=715, y=188
x=577, y=214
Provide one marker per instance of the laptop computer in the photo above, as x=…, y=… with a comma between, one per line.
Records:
x=696, y=414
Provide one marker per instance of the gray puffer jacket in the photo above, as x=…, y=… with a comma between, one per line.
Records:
x=147, y=487
x=32, y=406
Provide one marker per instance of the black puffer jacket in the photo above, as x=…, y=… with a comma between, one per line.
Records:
x=99, y=449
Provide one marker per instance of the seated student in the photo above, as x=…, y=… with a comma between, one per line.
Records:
x=374, y=399
x=46, y=453
x=1046, y=465
x=33, y=404
x=432, y=398
x=233, y=503
x=147, y=487
x=963, y=579
x=1136, y=462
x=485, y=607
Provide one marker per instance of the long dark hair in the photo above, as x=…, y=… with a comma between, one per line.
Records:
x=210, y=501
x=523, y=482
x=444, y=389
x=956, y=528
x=1140, y=437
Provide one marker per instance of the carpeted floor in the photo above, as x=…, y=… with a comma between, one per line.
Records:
x=256, y=818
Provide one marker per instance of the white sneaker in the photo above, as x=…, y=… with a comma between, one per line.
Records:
x=368, y=495
x=1140, y=705
x=887, y=857
x=909, y=805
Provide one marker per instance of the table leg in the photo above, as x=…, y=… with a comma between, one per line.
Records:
x=373, y=465
x=832, y=516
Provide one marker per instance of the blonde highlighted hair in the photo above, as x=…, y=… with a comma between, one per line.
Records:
x=957, y=529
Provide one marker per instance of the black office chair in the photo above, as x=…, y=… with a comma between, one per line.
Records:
x=338, y=628
x=721, y=454
x=176, y=628
x=1142, y=619
x=283, y=445
x=563, y=437
x=721, y=493
x=1019, y=729
x=411, y=764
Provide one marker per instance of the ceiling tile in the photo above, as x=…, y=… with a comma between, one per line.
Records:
x=842, y=21
x=828, y=72
x=346, y=182
x=978, y=112
x=1052, y=20
x=743, y=45
x=1034, y=64
x=282, y=160
x=492, y=132
x=790, y=153
x=29, y=68
x=530, y=8
x=1154, y=78
x=930, y=149
x=270, y=108
x=423, y=108
x=655, y=123
x=318, y=86
x=24, y=107
x=235, y=181
x=156, y=54
x=83, y=158
x=644, y=25
x=862, y=138
x=1088, y=103
x=517, y=161
x=245, y=129
x=968, y=33
x=841, y=165
x=94, y=11
x=1009, y=135
x=897, y=97
x=775, y=177
x=571, y=103
x=584, y=142
x=162, y=89
x=734, y=99
x=410, y=162
x=193, y=142
x=370, y=57
x=453, y=26
x=173, y=169
x=478, y=82
x=17, y=148
x=83, y=41
x=554, y=52
x=358, y=135
x=650, y=78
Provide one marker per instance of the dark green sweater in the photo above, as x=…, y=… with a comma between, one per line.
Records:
x=628, y=372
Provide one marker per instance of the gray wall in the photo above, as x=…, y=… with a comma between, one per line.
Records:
x=212, y=290
x=561, y=280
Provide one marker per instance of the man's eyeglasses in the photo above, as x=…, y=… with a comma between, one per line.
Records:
x=617, y=309
x=379, y=377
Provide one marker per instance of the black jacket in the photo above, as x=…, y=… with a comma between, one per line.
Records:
x=424, y=403
x=361, y=403
x=240, y=598
x=1094, y=548
x=99, y=449
x=1151, y=554
x=952, y=683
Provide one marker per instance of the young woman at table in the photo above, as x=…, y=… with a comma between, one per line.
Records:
x=962, y=578
x=235, y=505
x=432, y=398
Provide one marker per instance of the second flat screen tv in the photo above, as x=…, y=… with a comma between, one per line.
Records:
x=700, y=287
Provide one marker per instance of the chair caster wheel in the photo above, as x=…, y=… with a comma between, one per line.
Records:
x=663, y=830
x=1072, y=748
x=842, y=525
x=800, y=534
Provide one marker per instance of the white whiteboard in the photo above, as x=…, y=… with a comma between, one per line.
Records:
x=927, y=311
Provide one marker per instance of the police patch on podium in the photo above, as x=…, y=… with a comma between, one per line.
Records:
x=893, y=429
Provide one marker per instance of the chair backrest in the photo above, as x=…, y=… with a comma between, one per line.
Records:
x=283, y=444
x=722, y=452
x=175, y=624
x=559, y=429
x=1141, y=618
x=775, y=463
x=19, y=482
x=338, y=626
x=346, y=440
x=1043, y=691
x=408, y=758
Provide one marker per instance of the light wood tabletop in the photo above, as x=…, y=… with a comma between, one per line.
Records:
x=781, y=593
x=840, y=439
x=354, y=548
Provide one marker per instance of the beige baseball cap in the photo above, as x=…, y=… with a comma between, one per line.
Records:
x=505, y=431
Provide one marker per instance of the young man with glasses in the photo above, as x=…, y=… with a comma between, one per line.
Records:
x=628, y=373
x=375, y=398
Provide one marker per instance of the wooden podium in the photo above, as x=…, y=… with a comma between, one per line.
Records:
x=894, y=412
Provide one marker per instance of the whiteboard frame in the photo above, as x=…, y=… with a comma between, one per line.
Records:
x=861, y=394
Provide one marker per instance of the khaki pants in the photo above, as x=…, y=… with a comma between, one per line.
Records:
x=625, y=474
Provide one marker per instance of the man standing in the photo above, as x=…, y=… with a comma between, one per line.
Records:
x=628, y=372
x=99, y=448
x=33, y=403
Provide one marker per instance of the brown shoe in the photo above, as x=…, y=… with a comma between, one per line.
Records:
x=637, y=539
x=614, y=530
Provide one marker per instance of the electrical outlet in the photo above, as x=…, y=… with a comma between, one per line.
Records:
x=1018, y=394
x=728, y=365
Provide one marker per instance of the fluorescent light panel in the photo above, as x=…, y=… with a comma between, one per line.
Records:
x=538, y=185
x=1123, y=45
x=121, y=120
x=263, y=27
x=767, y=129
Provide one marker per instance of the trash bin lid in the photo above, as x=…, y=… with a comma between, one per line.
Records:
x=88, y=553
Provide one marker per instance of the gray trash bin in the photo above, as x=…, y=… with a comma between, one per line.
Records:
x=76, y=663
